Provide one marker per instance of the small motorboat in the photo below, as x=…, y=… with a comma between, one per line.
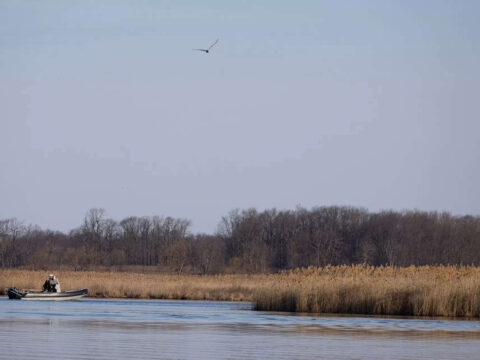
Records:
x=14, y=293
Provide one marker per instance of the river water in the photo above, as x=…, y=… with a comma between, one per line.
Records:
x=161, y=329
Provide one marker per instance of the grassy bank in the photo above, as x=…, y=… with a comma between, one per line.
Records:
x=418, y=291
x=140, y=286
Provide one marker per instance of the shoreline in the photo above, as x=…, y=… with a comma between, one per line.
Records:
x=323, y=315
x=431, y=291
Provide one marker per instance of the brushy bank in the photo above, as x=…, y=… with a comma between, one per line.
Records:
x=418, y=291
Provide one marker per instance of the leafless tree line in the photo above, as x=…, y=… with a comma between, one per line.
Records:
x=248, y=241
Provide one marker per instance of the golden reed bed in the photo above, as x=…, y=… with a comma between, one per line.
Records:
x=418, y=291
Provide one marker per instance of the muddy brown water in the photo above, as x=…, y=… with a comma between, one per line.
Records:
x=161, y=329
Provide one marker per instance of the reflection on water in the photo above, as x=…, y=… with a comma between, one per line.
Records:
x=149, y=329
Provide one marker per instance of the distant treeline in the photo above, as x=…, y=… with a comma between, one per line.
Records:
x=248, y=241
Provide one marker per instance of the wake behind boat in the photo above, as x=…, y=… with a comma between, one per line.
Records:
x=14, y=293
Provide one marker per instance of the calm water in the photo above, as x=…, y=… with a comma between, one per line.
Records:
x=157, y=329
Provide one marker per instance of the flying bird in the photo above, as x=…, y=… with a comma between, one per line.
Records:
x=206, y=51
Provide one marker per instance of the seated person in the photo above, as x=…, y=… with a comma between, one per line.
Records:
x=51, y=284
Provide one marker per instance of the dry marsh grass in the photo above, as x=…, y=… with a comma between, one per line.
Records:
x=140, y=285
x=418, y=291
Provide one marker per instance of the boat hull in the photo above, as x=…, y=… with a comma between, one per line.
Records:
x=15, y=294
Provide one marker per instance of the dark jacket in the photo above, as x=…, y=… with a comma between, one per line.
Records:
x=46, y=286
x=50, y=285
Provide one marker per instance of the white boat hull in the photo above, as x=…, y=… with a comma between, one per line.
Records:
x=53, y=298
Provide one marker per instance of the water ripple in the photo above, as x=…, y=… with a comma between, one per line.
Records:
x=152, y=329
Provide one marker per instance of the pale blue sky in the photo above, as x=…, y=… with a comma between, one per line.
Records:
x=104, y=104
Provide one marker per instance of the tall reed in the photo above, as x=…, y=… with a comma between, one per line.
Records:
x=416, y=291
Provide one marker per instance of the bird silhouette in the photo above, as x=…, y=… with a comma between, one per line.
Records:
x=206, y=51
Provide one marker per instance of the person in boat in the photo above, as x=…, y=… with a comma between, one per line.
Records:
x=51, y=284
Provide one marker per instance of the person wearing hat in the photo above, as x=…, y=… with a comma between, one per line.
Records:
x=51, y=284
